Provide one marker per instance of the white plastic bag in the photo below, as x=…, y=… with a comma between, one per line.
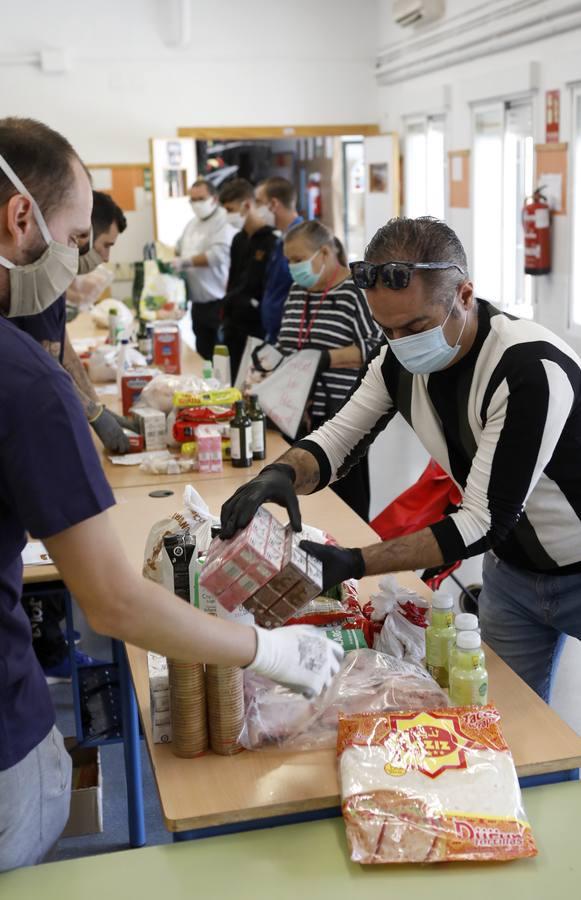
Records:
x=100, y=315
x=367, y=682
x=158, y=394
x=403, y=633
x=195, y=517
x=103, y=362
x=86, y=289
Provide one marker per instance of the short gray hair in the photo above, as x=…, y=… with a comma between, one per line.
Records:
x=424, y=239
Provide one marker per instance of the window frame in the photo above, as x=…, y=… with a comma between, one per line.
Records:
x=573, y=327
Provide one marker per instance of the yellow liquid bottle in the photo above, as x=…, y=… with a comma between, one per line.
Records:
x=468, y=677
x=440, y=637
x=463, y=622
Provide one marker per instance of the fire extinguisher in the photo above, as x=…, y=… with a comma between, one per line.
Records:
x=536, y=219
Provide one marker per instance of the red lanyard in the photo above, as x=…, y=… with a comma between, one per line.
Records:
x=304, y=335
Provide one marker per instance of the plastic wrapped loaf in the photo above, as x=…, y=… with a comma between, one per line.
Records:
x=430, y=786
x=368, y=681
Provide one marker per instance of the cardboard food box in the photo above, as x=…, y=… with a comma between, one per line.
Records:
x=152, y=425
x=167, y=347
x=132, y=384
x=86, y=814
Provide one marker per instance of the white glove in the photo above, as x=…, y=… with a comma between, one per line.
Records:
x=181, y=262
x=299, y=656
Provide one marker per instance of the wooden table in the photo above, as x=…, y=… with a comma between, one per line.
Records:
x=310, y=860
x=214, y=791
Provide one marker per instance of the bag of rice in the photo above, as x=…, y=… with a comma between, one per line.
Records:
x=431, y=786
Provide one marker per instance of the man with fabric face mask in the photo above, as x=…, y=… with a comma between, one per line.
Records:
x=49, y=326
x=496, y=401
x=52, y=485
x=251, y=250
x=203, y=254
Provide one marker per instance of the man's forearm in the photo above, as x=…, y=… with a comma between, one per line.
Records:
x=346, y=357
x=86, y=391
x=200, y=259
x=306, y=469
x=413, y=551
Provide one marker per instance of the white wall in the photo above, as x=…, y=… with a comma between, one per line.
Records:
x=253, y=62
x=544, y=64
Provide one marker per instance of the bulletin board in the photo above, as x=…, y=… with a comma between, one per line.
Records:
x=120, y=181
x=551, y=171
x=459, y=178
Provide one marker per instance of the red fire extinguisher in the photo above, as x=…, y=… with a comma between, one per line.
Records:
x=536, y=219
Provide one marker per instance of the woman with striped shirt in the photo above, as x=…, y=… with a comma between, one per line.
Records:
x=326, y=311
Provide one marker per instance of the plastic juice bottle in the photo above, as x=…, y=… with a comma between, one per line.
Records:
x=113, y=326
x=240, y=438
x=221, y=364
x=122, y=362
x=469, y=678
x=440, y=636
x=207, y=370
x=258, y=419
x=463, y=622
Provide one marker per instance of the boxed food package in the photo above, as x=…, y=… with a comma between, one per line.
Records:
x=237, y=568
x=299, y=581
x=132, y=384
x=436, y=785
x=209, y=448
x=151, y=424
x=136, y=441
x=167, y=347
x=159, y=698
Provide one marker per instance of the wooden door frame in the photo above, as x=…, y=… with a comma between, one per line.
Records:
x=271, y=132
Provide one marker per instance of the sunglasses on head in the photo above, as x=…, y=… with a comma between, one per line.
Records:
x=394, y=275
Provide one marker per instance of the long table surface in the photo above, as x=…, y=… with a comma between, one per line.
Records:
x=311, y=860
x=214, y=790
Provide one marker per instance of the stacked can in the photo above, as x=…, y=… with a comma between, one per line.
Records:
x=187, y=698
x=225, y=693
x=187, y=686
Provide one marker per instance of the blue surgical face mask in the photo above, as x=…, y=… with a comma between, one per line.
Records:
x=302, y=272
x=428, y=351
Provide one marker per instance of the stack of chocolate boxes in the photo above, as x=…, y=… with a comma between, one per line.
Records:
x=264, y=569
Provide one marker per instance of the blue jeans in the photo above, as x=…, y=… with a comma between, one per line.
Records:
x=525, y=618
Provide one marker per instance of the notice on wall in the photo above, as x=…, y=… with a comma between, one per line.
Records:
x=457, y=168
x=102, y=179
x=551, y=185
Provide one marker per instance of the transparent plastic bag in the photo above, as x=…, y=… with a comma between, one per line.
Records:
x=159, y=393
x=85, y=290
x=367, y=681
x=195, y=518
x=437, y=785
x=404, y=614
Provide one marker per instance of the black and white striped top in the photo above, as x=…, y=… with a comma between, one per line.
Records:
x=343, y=318
x=504, y=422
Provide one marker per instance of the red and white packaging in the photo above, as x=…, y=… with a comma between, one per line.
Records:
x=132, y=384
x=167, y=347
x=136, y=441
x=209, y=441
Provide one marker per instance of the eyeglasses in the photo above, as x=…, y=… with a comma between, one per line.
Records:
x=394, y=275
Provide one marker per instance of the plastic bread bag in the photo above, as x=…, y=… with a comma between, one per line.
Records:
x=437, y=785
x=159, y=393
x=195, y=519
x=367, y=681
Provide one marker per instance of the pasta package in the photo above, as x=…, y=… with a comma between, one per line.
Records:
x=437, y=785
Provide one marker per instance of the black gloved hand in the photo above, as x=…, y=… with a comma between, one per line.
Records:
x=110, y=432
x=274, y=484
x=339, y=563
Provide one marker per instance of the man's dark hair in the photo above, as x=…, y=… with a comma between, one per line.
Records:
x=237, y=190
x=42, y=160
x=424, y=239
x=278, y=188
x=105, y=213
x=203, y=182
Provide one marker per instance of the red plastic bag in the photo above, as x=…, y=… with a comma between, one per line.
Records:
x=424, y=503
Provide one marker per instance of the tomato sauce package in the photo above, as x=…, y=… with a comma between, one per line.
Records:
x=436, y=785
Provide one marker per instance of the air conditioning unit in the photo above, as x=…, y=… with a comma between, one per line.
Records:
x=417, y=12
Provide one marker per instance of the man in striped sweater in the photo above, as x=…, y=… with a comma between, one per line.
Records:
x=496, y=401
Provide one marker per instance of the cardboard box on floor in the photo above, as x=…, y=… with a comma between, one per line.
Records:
x=86, y=815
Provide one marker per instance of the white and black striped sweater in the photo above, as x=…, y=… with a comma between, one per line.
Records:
x=504, y=422
x=343, y=318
